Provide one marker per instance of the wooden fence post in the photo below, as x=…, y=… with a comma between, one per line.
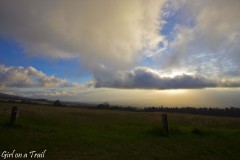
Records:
x=165, y=123
x=14, y=115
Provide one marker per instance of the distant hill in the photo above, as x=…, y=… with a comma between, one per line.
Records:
x=12, y=97
x=7, y=98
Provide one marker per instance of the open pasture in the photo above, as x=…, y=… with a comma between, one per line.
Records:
x=85, y=134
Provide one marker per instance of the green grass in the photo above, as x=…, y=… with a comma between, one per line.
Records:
x=71, y=133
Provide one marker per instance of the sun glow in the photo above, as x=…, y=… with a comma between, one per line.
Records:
x=175, y=73
x=174, y=91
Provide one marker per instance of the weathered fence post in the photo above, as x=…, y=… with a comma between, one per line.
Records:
x=165, y=123
x=14, y=115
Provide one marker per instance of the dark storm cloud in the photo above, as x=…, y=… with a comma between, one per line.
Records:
x=146, y=78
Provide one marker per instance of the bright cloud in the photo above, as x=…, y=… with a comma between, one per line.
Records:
x=209, y=45
x=20, y=77
x=106, y=32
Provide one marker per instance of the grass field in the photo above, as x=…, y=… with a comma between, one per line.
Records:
x=84, y=134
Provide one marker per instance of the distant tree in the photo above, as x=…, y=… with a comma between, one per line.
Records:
x=57, y=103
x=104, y=105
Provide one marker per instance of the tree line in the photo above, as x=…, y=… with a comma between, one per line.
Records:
x=229, y=111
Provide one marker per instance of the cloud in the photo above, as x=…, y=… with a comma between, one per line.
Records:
x=29, y=77
x=146, y=78
x=108, y=37
x=209, y=45
x=105, y=32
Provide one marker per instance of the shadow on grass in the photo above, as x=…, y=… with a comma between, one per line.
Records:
x=198, y=132
x=177, y=131
x=157, y=131
x=9, y=125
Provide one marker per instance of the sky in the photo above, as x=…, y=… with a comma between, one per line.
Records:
x=137, y=53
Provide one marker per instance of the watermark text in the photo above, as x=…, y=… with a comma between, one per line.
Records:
x=15, y=155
